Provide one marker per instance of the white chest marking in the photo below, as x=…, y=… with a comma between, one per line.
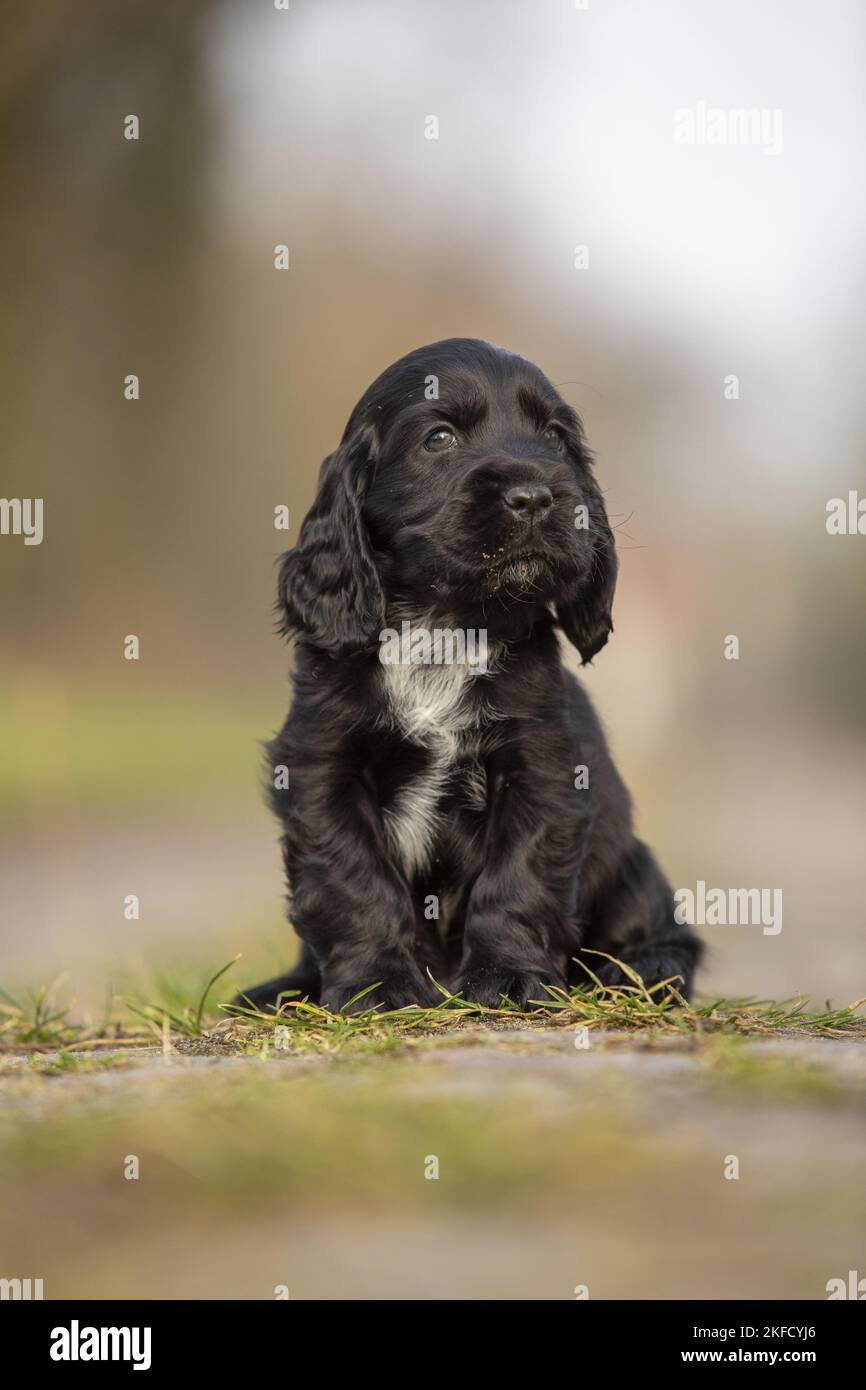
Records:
x=427, y=704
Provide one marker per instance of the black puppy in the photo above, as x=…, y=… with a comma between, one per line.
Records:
x=452, y=809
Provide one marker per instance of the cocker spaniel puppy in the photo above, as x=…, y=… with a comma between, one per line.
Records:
x=449, y=807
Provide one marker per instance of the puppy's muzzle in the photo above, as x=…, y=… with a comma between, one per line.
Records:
x=528, y=500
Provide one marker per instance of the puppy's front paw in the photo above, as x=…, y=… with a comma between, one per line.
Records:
x=654, y=965
x=486, y=985
x=396, y=989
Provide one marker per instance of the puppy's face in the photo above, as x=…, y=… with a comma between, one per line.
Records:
x=462, y=483
x=480, y=484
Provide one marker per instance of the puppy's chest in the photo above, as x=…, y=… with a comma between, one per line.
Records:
x=439, y=711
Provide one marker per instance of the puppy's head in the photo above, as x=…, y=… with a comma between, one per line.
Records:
x=462, y=485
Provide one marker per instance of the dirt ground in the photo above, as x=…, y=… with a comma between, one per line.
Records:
x=508, y=1163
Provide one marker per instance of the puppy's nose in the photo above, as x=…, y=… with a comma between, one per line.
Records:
x=528, y=499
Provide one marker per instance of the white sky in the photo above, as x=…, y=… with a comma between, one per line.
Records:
x=556, y=127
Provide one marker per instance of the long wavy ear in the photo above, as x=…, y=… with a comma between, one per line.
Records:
x=329, y=589
x=586, y=620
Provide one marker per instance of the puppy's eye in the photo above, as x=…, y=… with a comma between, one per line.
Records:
x=439, y=440
x=553, y=436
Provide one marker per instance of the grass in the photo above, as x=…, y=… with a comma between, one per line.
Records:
x=183, y=1012
x=186, y=1019
x=361, y=1132
x=76, y=747
x=254, y=1143
x=67, y=1062
x=659, y=1008
x=739, y=1070
x=310, y=1152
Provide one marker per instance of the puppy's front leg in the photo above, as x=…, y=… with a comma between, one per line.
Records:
x=350, y=903
x=521, y=918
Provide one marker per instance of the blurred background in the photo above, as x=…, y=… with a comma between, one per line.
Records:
x=308, y=128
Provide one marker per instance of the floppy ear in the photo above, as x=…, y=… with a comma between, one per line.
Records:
x=586, y=620
x=328, y=589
